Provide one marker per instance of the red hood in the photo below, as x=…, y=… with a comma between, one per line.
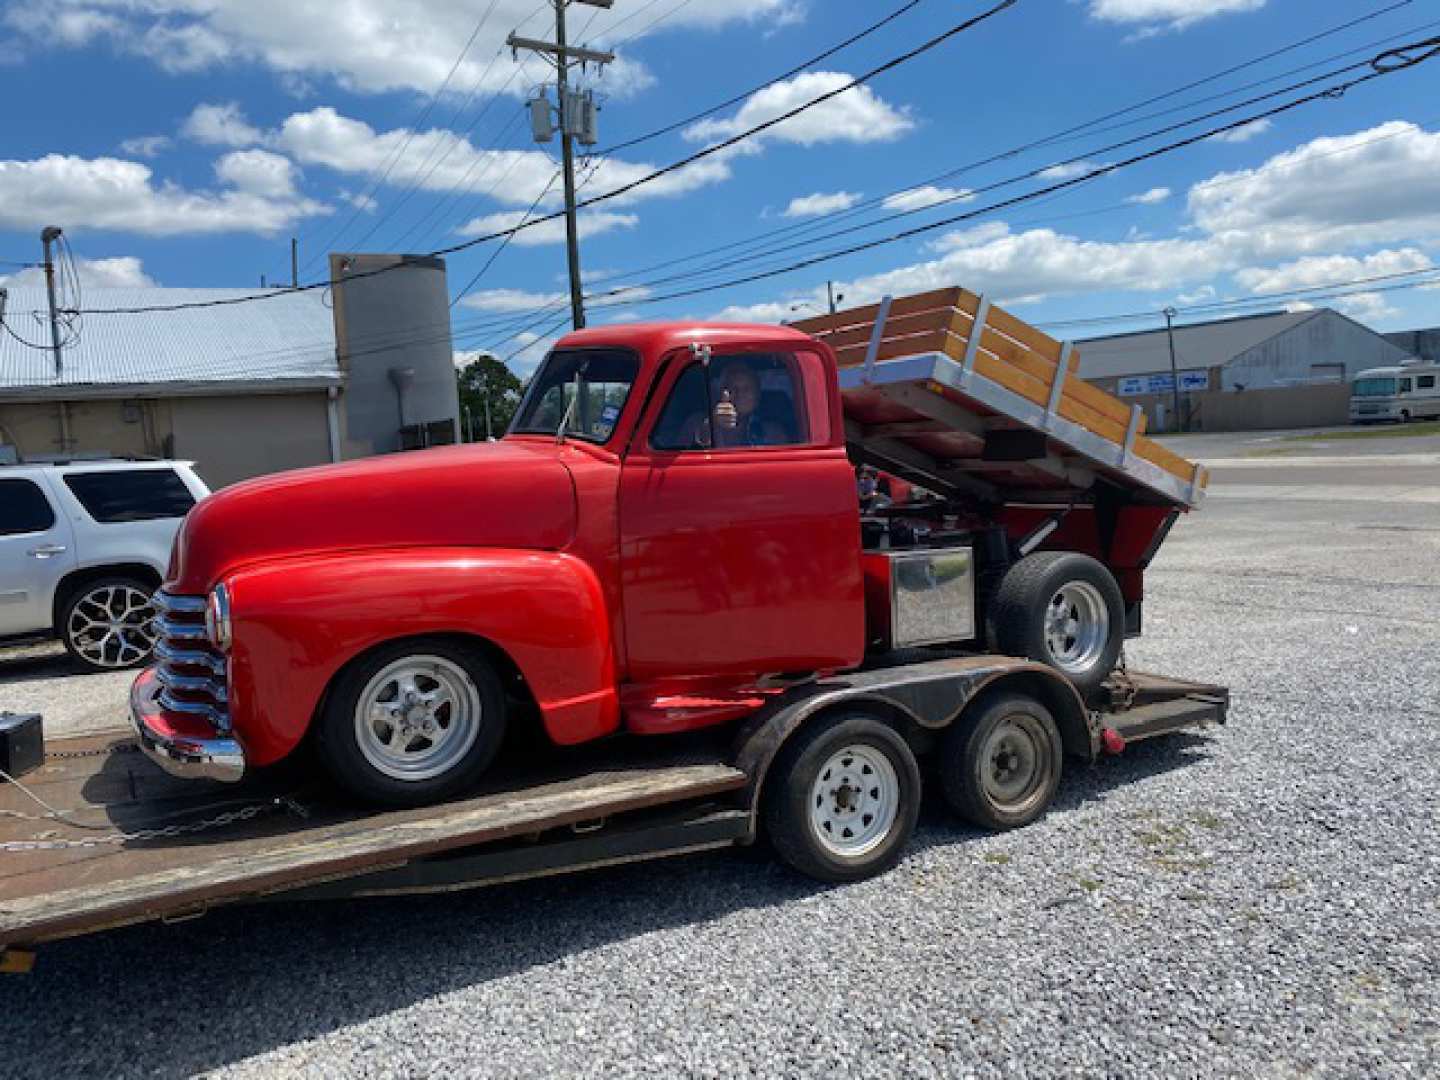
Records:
x=505, y=494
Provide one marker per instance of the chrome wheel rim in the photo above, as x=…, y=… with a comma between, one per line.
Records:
x=1011, y=762
x=112, y=626
x=854, y=801
x=418, y=717
x=1077, y=626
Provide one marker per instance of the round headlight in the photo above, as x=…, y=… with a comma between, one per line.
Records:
x=217, y=618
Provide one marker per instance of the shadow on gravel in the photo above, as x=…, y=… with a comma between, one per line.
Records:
x=25, y=665
x=176, y=1000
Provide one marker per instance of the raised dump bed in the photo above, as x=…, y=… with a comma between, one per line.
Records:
x=951, y=391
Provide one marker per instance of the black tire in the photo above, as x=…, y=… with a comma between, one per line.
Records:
x=790, y=792
x=1021, y=608
x=125, y=648
x=478, y=702
x=1014, y=743
x=1404, y=416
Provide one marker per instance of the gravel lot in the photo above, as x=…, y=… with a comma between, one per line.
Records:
x=1263, y=901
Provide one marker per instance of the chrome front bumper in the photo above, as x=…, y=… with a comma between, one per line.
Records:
x=184, y=756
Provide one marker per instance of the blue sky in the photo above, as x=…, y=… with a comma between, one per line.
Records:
x=183, y=142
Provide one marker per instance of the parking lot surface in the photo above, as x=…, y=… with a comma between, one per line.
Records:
x=1261, y=900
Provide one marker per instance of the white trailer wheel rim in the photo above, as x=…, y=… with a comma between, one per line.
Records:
x=1077, y=627
x=854, y=801
x=418, y=717
x=112, y=626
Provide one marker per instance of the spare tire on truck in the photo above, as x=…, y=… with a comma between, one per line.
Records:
x=1064, y=610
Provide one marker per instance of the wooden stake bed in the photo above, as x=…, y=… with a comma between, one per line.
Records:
x=933, y=383
x=58, y=892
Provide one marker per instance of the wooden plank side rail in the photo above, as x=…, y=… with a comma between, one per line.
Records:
x=1007, y=351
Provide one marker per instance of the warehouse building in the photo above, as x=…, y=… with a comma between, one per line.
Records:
x=1277, y=370
x=298, y=378
x=1422, y=344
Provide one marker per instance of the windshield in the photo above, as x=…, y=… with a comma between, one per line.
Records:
x=1376, y=387
x=584, y=388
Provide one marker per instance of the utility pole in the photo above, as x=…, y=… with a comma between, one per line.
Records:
x=577, y=121
x=835, y=298
x=1174, y=370
x=294, y=262
x=48, y=236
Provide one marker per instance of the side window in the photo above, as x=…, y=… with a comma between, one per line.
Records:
x=757, y=400
x=23, y=508
x=1425, y=382
x=1405, y=386
x=131, y=494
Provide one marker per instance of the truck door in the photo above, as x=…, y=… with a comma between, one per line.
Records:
x=37, y=549
x=739, y=531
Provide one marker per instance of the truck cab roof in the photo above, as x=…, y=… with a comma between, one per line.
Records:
x=660, y=337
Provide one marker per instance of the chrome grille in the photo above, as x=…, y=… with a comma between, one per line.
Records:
x=190, y=671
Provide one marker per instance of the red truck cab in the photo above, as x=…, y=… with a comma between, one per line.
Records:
x=612, y=562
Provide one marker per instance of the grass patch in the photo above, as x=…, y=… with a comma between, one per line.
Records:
x=1090, y=885
x=1388, y=431
x=999, y=858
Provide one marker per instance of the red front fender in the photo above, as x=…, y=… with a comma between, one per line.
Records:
x=298, y=621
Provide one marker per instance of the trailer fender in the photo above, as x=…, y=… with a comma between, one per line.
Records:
x=297, y=622
x=919, y=700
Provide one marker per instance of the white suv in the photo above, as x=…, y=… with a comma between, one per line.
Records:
x=83, y=546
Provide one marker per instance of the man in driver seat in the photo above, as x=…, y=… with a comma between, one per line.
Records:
x=737, y=421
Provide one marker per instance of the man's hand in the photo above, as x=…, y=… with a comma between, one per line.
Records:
x=725, y=414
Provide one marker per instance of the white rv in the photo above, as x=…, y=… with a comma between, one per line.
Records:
x=1411, y=392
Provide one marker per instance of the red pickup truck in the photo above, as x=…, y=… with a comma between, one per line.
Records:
x=669, y=538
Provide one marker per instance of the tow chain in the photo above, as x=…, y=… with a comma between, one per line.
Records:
x=1124, y=684
x=283, y=803
x=104, y=751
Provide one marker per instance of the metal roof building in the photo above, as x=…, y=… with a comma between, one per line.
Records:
x=1294, y=354
x=295, y=378
x=286, y=340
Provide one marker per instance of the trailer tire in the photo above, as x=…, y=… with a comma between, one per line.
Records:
x=1000, y=768
x=1064, y=610
x=842, y=798
x=453, y=724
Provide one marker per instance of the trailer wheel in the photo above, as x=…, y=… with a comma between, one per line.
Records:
x=1000, y=769
x=412, y=723
x=842, y=798
x=1064, y=610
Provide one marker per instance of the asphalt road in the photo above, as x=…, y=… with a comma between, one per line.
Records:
x=1260, y=901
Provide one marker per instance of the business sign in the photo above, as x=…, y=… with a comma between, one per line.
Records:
x=1135, y=385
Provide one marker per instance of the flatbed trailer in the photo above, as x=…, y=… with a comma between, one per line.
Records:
x=136, y=844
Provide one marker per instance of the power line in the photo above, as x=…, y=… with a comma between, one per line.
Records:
x=867, y=205
x=504, y=243
x=650, y=177
x=410, y=135
x=1386, y=63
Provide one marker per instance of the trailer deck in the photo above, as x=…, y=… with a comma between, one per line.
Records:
x=154, y=847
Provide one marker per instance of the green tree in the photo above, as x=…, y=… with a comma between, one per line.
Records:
x=486, y=380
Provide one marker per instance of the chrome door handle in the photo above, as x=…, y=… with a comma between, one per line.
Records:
x=47, y=551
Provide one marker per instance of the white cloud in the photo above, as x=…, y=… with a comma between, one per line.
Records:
x=258, y=172
x=369, y=46
x=1069, y=169
x=1151, y=197
x=146, y=146
x=108, y=193
x=857, y=116
x=1327, y=195
x=1154, y=15
x=359, y=200
x=120, y=272
x=1244, y=133
x=590, y=223
x=821, y=203
x=504, y=301
x=1316, y=270
x=921, y=198
x=221, y=125
x=439, y=160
